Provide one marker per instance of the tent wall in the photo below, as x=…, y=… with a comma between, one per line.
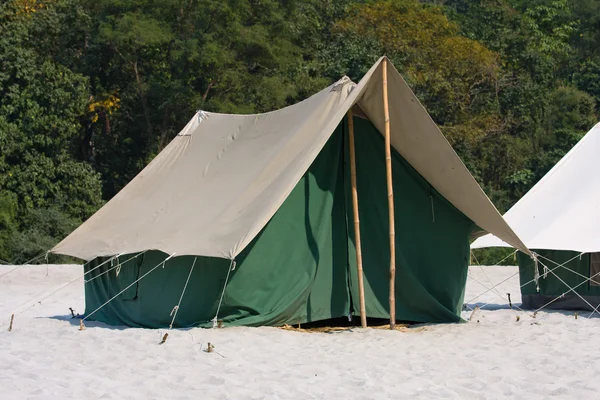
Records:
x=295, y=270
x=551, y=288
x=432, y=247
x=301, y=267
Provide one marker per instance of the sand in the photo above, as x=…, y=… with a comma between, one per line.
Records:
x=493, y=356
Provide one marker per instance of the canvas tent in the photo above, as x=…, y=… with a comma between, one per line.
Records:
x=558, y=220
x=271, y=191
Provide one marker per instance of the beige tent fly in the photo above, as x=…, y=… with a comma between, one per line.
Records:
x=224, y=176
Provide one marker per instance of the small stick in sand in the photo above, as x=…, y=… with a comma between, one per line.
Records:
x=72, y=312
x=164, y=339
x=576, y=314
x=12, y=318
x=211, y=349
x=509, y=302
x=475, y=309
x=81, y=325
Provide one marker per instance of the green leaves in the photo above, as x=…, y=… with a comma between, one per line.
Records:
x=541, y=113
x=41, y=106
x=134, y=31
x=454, y=76
x=91, y=91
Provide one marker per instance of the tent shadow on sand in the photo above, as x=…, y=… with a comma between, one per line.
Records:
x=96, y=324
x=502, y=306
x=332, y=326
x=89, y=324
x=489, y=306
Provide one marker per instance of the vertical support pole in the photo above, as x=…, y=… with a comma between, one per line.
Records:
x=390, y=191
x=361, y=287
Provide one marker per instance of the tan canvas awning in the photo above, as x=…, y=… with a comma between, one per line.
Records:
x=217, y=184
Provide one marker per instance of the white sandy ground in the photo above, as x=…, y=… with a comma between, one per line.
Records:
x=46, y=357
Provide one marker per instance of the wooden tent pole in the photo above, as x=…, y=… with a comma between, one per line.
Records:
x=390, y=191
x=359, y=268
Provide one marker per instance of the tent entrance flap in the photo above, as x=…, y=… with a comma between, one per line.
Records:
x=432, y=250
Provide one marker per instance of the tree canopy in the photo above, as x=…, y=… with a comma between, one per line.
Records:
x=90, y=92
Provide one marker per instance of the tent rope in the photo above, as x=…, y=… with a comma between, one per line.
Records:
x=597, y=307
x=495, y=265
x=569, y=269
x=568, y=291
x=489, y=280
x=523, y=285
x=14, y=269
x=517, y=273
x=122, y=291
x=116, y=266
x=176, y=308
x=571, y=289
x=473, y=256
x=497, y=294
x=35, y=258
x=35, y=299
x=21, y=265
x=231, y=268
x=536, y=273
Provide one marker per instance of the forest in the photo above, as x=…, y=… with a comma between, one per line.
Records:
x=92, y=90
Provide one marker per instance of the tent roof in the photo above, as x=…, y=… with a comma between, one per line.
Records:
x=217, y=184
x=562, y=211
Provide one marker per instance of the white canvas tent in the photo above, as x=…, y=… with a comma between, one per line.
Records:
x=562, y=211
x=558, y=220
x=226, y=175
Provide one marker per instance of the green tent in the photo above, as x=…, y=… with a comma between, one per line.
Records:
x=253, y=215
x=560, y=271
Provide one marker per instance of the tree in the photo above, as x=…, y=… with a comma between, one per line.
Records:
x=455, y=77
x=41, y=105
x=162, y=61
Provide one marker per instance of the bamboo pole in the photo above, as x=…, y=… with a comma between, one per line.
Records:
x=390, y=191
x=359, y=268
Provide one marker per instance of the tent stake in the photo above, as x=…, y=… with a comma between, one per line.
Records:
x=164, y=339
x=390, y=191
x=359, y=267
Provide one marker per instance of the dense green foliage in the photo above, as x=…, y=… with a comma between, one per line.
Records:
x=91, y=91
